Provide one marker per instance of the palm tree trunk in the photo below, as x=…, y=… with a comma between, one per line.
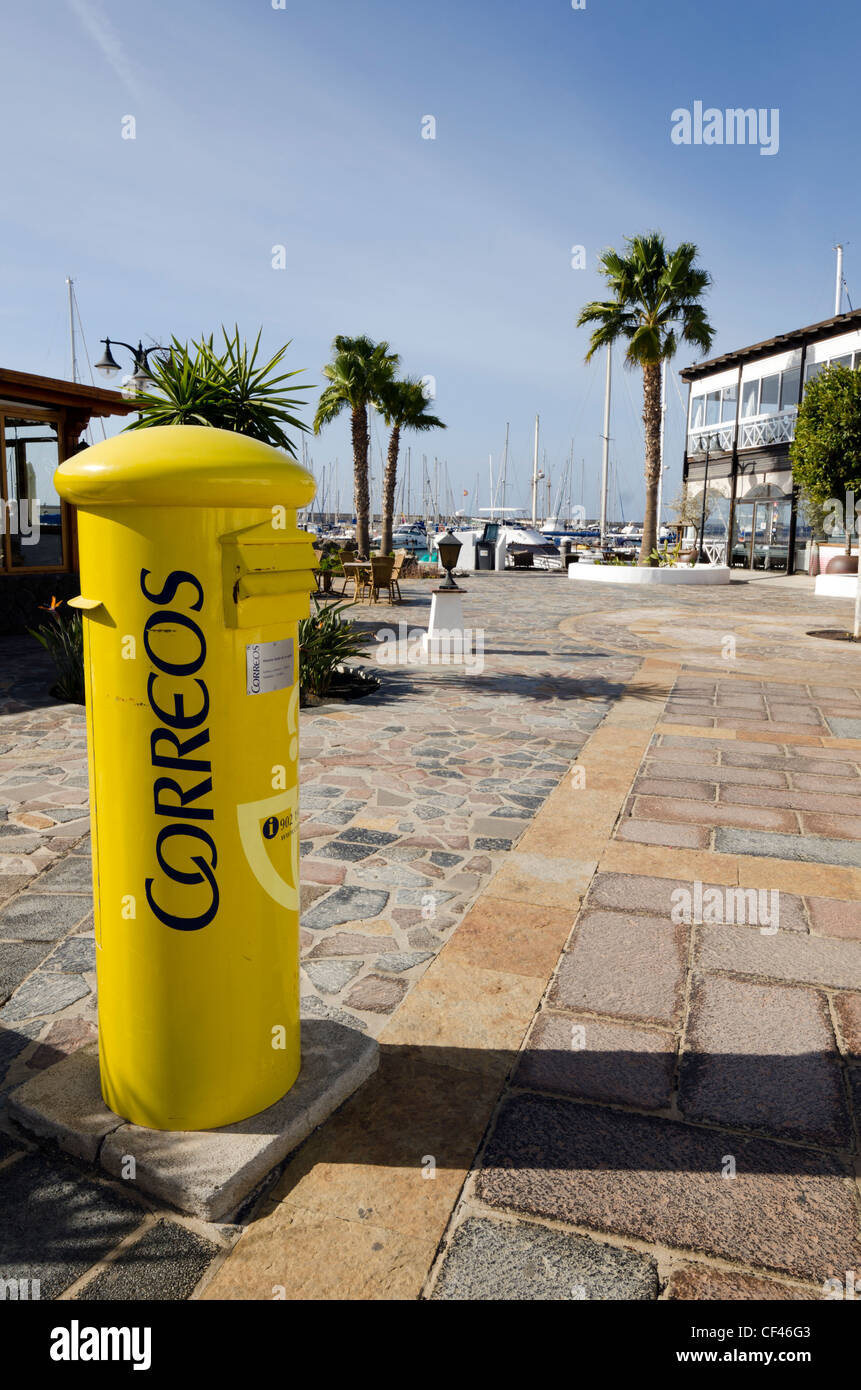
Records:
x=652, y=424
x=389, y=479
x=361, y=441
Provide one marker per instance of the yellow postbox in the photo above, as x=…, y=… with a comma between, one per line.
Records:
x=193, y=578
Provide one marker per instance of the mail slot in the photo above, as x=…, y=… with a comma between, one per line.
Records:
x=194, y=576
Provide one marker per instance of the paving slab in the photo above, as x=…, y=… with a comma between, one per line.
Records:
x=833, y=917
x=167, y=1262
x=521, y=1261
x=35, y=916
x=55, y=1224
x=705, y=1283
x=595, y=1059
x=769, y=844
x=45, y=992
x=17, y=960
x=787, y=1209
x=785, y=956
x=207, y=1173
x=625, y=965
x=763, y=1057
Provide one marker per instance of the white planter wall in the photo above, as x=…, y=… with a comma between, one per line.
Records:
x=645, y=574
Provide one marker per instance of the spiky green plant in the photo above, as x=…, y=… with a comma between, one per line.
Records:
x=326, y=639
x=227, y=389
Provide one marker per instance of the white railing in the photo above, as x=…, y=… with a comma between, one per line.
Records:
x=714, y=439
x=715, y=552
x=757, y=430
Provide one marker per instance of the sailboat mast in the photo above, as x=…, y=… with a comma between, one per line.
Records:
x=70, y=286
x=505, y=469
x=535, y=476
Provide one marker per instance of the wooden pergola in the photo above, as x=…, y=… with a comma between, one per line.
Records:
x=68, y=405
x=42, y=422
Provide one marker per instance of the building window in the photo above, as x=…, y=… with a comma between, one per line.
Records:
x=749, y=398
x=790, y=382
x=33, y=519
x=769, y=396
x=729, y=401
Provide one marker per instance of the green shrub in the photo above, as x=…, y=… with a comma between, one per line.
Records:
x=63, y=640
x=326, y=639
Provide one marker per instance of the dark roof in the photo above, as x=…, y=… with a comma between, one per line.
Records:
x=784, y=341
x=51, y=391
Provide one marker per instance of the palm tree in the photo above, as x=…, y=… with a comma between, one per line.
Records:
x=359, y=371
x=404, y=406
x=655, y=305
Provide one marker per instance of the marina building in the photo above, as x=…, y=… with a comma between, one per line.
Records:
x=742, y=408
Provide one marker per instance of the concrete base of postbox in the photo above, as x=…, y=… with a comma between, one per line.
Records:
x=207, y=1173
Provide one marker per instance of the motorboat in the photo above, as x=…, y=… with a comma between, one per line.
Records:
x=505, y=545
x=410, y=536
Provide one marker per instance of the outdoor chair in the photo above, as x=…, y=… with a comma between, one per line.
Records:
x=401, y=557
x=347, y=557
x=380, y=577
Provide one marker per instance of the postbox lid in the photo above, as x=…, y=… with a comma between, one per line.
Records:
x=183, y=466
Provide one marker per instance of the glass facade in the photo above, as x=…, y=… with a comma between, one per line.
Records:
x=744, y=428
x=33, y=532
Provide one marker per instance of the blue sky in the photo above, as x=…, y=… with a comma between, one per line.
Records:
x=301, y=126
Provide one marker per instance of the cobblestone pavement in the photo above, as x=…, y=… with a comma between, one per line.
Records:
x=444, y=860
x=410, y=800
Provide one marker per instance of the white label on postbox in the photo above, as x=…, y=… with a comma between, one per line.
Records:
x=268, y=666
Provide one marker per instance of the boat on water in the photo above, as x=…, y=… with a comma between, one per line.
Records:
x=505, y=545
x=410, y=535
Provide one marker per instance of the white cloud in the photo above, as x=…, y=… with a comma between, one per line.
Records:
x=107, y=40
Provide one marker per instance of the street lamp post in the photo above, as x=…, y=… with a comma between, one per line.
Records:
x=142, y=377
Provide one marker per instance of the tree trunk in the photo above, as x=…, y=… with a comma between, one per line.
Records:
x=361, y=440
x=652, y=424
x=389, y=480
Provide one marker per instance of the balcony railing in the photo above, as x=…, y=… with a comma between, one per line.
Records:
x=755, y=432
x=713, y=439
x=758, y=430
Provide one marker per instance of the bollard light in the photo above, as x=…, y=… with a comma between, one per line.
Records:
x=449, y=548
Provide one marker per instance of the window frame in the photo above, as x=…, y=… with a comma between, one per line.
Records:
x=24, y=410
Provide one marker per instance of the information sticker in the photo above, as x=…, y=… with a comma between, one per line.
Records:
x=268, y=666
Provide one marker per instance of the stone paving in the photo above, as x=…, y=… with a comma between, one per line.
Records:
x=410, y=800
x=657, y=1103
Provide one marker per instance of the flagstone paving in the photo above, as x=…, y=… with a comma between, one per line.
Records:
x=652, y=1104
x=410, y=799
